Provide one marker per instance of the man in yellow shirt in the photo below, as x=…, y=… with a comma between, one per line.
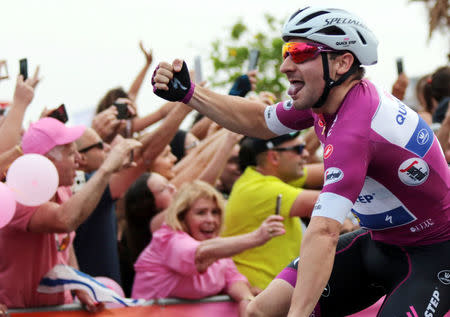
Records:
x=270, y=165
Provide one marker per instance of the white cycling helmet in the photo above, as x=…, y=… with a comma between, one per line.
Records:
x=335, y=28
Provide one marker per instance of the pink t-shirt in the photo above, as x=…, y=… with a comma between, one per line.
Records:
x=25, y=258
x=166, y=268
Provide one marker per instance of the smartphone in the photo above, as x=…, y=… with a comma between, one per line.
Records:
x=278, y=205
x=122, y=109
x=23, y=65
x=60, y=114
x=253, y=59
x=399, y=65
x=198, y=69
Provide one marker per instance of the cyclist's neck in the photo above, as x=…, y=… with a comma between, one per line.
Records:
x=336, y=97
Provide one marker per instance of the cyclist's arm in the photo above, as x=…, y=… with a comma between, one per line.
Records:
x=237, y=114
x=316, y=262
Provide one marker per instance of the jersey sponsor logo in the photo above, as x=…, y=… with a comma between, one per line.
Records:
x=432, y=304
x=384, y=220
x=444, y=277
x=407, y=130
x=422, y=136
x=327, y=152
x=421, y=140
x=422, y=226
x=378, y=208
x=320, y=123
x=365, y=199
x=287, y=105
x=332, y=175
x=413, y=171
x=401, y=114
x=269, y=112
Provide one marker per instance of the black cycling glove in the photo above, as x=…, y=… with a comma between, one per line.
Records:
x=180, y=87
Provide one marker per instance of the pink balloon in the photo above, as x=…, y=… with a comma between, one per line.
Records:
x=8, y=205
x=111, y=284
x=33, y=178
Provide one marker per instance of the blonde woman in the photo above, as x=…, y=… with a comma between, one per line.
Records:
x=186, y=257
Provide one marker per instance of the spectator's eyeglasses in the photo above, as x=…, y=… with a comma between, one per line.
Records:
x=301, y=52
x=298, y=149
x=98, y=145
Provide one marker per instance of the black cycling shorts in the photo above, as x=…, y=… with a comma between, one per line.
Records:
x=415, y=280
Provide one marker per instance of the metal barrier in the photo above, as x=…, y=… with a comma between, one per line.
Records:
x=158, y=302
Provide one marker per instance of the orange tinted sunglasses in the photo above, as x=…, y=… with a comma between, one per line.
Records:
x=301, y=52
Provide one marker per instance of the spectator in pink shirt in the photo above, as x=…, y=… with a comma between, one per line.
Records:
x=38, y=238
x=186, y=257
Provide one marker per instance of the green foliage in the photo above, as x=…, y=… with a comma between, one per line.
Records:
x=230, y=56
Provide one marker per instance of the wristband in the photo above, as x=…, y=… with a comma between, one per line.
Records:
x=181, y=88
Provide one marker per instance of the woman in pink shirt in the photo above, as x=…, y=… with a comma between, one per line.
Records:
x=186, y=257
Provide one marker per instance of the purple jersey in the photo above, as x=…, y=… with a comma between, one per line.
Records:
x=382, y=162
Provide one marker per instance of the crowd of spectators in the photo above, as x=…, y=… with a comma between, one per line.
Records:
x=163, y=211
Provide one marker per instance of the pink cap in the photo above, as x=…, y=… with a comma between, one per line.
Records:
x=45, y=134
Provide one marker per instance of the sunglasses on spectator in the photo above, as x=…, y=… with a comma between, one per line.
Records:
x=98, y=145
x=301, y=52
x=298, y=149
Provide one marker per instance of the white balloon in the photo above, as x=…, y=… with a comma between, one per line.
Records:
x=33, y=178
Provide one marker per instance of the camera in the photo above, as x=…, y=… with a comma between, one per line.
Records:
x=122, y=109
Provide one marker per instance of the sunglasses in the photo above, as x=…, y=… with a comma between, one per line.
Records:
x=301, y=52
x=298, y=149
x=98, y=145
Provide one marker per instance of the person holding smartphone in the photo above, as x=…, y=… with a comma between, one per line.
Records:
x=32, y=240
x=269, y=167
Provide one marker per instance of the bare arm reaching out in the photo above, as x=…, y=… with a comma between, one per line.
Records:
x=234, y=113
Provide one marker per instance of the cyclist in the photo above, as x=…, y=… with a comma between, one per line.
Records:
x=381, y=161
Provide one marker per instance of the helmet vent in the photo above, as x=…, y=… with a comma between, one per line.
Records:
x=311, y=16
x=332, y=30
x=300, y=31
x=295, y=14
x=363, y=40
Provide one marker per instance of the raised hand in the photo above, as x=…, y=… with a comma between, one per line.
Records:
x=119, y=155
x=106, y=123
x=271, y=227
x=24, y=92
x=172, y=81
x=148, y=54
x=34, y=81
